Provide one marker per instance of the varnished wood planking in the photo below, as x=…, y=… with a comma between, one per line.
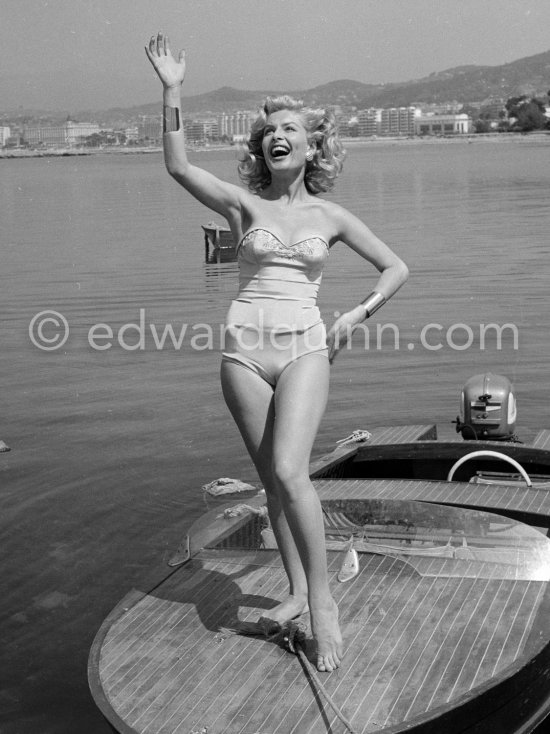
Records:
x=197, y=669
x=262, y=663
x=174, y=617
x=401, y=649
x=247, y=685
x=401, y=434
x=382, y=635
x=381, y=436
x=384, y=627
x=272, y=701
x=262, y=670
x=210, y=664
x=542, y=440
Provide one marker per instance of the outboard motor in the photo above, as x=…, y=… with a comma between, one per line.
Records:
x=487, y=409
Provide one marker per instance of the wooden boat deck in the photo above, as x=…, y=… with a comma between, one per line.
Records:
x=421, y=642
x=542, y=440
x=402, y=434
x=167, y=666
x=383, y=436
x=432, y=646
x=391, y=435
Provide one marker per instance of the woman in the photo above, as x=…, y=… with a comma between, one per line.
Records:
x=275, y=367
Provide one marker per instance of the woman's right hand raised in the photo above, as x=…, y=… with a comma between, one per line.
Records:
x=170, y=72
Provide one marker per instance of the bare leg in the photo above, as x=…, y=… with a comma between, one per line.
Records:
x=300, y=401
x=279, y=430
x=251, y=402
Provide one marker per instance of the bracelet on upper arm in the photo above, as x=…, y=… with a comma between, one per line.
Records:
x=372, y=303
x=170, y=119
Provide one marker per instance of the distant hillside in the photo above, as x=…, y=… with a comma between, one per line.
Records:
x=345, y=92
x=466, y=84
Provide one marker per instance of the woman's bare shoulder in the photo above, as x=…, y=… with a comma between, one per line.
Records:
x=338, y=216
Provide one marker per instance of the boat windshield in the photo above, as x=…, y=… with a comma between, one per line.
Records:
x=439, y=540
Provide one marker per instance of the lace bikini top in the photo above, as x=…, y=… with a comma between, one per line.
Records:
x=271, y=269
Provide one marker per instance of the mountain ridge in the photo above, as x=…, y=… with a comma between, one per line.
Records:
x=466, y=84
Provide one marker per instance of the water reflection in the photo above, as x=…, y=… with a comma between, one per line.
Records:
x=221, y=277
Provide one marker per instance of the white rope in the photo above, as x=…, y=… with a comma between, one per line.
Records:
x=360, y=435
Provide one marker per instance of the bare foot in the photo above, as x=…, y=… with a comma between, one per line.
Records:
x=288, y=609
x=327, y=636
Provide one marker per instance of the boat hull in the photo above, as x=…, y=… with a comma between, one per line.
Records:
x=436, y=639
x=427, y=649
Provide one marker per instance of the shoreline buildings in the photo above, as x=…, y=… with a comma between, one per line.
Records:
x=383, y=121
x=394, y=121
x=450, y=124
x=5, y=134
x=68, y=134
x=233, y=127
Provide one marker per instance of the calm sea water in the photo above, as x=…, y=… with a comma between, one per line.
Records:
x=110, y=446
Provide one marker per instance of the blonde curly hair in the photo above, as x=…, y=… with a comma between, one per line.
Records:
x=321, y=172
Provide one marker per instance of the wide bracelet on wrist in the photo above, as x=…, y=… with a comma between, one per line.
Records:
x=170, y=119
x=372, y=303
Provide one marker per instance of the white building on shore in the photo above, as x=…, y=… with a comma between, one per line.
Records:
x=68, y=134
x=150, y=128
x=433, y=124
x=399, y=121
x=235, y=125
x=5, y=133
x=385, y=121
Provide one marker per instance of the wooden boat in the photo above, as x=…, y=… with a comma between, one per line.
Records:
x=446, y=622
x=219, y=246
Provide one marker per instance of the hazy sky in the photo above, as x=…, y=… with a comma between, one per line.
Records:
x=88, y=54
